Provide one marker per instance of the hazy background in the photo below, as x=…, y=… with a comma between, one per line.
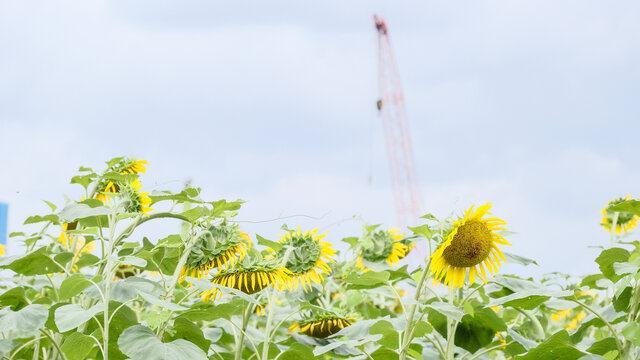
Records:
x=530, y=105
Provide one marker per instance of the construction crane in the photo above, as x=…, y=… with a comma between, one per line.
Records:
x=392, y=110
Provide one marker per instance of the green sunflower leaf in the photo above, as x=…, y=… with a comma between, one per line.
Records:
x=623, y=268
x=37, y=218
x=297, y=351
x=77, y=346
x=268, y=243
x=389, y=334
x=447, y=310
x=196, y=213
x=367, y=280
x=526, y=343
x=222, y=208
x=120, y=178
x=75, y=211
x=319, y=350
x=23, y=323
x=72, y=286
x=6, y=346
x=208, y=312
x=69, y=317
x=556, y=347
x=352, y=241
x=526, y=301
x=423, y=230
x=161, y=303
x=384, y=354
x=14, y=298
x=188, y=330
x=603, y=346
x=34, y=263
x=631, y=332
x=631, y=206
x=84, y=180
x=621, y=301
x=517, y=259
x=140, y=343
x=608, y=257
x=187, y=195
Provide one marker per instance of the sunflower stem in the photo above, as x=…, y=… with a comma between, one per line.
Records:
x=408, y=331
x=183, y=260
x=176, y=274
x=267, y=338
x=108, y=278
x=139, y=221
x=245, y=320
x=452, y=324
x=613, y=331
x=614, y=223
x=633, y=310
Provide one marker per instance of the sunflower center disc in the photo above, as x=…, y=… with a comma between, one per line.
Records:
x=470, y=245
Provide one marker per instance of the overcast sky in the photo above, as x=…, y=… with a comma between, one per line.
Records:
x=529, y=105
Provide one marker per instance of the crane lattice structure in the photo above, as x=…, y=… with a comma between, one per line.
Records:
x=392, y=110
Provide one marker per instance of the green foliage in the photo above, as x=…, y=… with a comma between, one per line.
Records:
x=140, y=343
x=95, y=281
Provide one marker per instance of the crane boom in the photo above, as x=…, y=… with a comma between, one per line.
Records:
x=391, y=107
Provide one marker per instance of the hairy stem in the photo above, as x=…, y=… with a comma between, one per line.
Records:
x=613, y=331
x=408, y=331
x=246, y=310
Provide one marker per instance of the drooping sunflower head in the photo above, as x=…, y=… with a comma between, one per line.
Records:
x=380, y=246
x=471, y=244
x=248, y=278
x=222, y=246
x=260, y=310
x=136, y=201
x=306, y=256
x=131, y=166
x=625, y=221
x=124, y=166
x=322, y=326
x=124, y=271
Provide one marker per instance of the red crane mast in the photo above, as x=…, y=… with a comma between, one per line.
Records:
x=392, y=110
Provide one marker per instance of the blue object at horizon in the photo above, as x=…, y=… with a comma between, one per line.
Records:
x=4, y=212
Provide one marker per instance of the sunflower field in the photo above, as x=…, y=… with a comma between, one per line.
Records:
x=97, y=282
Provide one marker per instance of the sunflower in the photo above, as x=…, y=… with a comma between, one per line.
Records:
x=383, y=246
x=575, y=321
x=410, y=246
x=307, y=256
x=260, y=310
x=562, y=315
x=2, y=249
x=132, y=166
x=626, y=221
x=137, y=201
x=126, y=166
x=321, y=327
x=470, y=244
x=222, y=246
x=249, y=279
